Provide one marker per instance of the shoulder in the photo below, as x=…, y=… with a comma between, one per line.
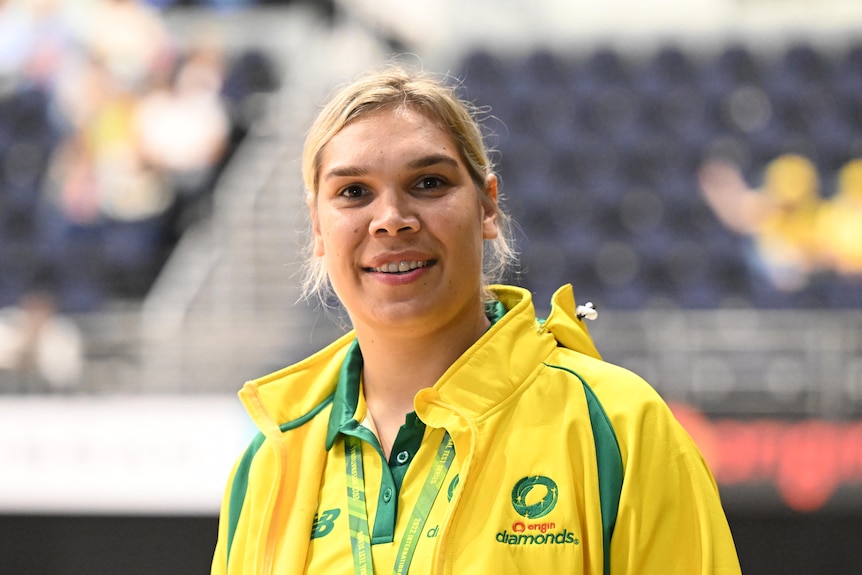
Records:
x=618, y=388
x=635, y=409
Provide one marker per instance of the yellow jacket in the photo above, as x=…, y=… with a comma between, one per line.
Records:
x=531, y=404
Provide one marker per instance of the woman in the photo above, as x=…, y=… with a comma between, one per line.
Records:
x=450, y=431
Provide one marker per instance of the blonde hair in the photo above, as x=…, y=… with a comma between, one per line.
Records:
x=395, y=86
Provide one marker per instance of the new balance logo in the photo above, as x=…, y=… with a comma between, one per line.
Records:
x=324, y=522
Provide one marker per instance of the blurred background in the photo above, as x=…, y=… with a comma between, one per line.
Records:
x=694, y=169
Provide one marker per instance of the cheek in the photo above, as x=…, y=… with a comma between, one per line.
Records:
x=335, y=238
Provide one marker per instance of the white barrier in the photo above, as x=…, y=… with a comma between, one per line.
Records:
x=123, y=454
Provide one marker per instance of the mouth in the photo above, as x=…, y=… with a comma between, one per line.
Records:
x=401, y=267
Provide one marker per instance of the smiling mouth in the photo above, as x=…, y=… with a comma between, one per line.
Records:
x=401, y=267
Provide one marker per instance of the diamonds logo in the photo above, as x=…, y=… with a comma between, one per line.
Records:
x=525, y=487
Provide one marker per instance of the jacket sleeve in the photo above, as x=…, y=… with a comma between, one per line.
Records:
x=670, y=519
x=219, y=562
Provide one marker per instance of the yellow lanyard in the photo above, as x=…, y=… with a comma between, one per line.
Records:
x=360, y=541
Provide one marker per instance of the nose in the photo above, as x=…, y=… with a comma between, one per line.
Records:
x=393, y=215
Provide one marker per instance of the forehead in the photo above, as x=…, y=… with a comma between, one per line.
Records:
x=390, y=133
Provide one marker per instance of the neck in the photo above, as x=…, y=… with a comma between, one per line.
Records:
x=398, y=365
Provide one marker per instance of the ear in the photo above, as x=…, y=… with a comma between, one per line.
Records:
x=489, y=208
x=317, y=237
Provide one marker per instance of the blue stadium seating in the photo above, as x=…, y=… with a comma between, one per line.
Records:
x=582, y=131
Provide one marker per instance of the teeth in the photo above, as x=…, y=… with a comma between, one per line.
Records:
x=403, y=266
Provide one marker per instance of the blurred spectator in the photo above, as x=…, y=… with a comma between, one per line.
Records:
x=16, y=37
x=71, y=183
x=111, y=139
x=71, y=223
x=143, y=131
x=839, y=224
x=33, y=38
x=37, y=344
x=130, y=188
x=779, y=217
x=130, y=38
x=82, y=88
x=182, y=125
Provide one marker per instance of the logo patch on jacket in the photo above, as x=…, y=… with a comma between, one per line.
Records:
x=534, y=497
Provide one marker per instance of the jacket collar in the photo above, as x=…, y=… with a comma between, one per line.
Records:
x=346, y=408
x=505, y=358
x=491, y=369
x=347, y=395
x=485, y=375
x=294, y=391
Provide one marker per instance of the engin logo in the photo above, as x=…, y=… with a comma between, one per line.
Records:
x=535, y=532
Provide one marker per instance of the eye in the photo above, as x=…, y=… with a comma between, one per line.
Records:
x=429, y=183
x=352, y=191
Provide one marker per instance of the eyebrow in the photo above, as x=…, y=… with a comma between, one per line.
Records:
x=432, y=160
x=419, y=163
x=345, y=172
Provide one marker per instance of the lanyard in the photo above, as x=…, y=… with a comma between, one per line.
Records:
x=360, y=541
